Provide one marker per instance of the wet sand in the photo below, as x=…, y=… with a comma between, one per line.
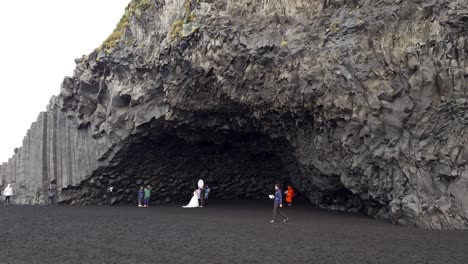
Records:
x=223, y=232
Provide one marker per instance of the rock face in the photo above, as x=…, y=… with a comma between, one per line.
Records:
x=362, y=105
x=52, y=149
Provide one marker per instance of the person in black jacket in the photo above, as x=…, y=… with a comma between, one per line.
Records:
x=110, y=193
x=52, y=193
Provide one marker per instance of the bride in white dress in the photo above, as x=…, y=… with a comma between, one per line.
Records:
x=193, y=202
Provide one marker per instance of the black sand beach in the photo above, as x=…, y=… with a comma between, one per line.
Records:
x=224, y=232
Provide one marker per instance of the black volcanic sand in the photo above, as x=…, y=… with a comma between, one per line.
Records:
x=225, y=232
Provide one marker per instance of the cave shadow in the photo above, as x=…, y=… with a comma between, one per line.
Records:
x=235, y=166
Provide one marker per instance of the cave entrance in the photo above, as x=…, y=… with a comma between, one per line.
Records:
x=234, y=165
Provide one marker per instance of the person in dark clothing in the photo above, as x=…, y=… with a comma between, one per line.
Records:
x=141, y=196
x=278, y=204
x=202, y=196
x=52, y=192
x=110, y=193
x=207, y=193
x=201, y=187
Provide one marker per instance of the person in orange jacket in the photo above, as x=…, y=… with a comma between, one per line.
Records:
x=289, y=195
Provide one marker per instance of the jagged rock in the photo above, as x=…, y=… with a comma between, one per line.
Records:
x=360, y=104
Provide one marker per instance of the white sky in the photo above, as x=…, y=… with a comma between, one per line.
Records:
x=38, y=44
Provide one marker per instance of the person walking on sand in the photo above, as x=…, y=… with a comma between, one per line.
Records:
x=141, y=196
x=277, y=204
x=289, y=195
x=147, y=196
x=8, y=193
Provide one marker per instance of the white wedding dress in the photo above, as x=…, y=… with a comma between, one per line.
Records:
x=193, y=202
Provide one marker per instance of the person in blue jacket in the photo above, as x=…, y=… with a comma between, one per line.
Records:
x=278, y=204
x=141, y=195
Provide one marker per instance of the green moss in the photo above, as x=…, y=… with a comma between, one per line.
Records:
x=189, y=16
x=192, y=17
x=188, y=7
x=333, y=27
x=284, y=43
x=130, y=41
x=134, y=7
x=84, y=59
x=177, y=28
x=144, y=4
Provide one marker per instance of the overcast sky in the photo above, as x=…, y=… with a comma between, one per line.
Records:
x=39, y=42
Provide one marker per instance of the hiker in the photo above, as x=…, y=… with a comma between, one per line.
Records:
x=110, y=193
x=289, y=195
x=147, y=196
x=141, y=196
x=8, y=192
x=51, y=192
x=278, y=204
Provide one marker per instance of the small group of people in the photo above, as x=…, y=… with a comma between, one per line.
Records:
x=144, y=196
x=278, y=201
x=200, y=196
x=51, y=193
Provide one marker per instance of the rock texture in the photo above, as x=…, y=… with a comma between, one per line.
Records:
x=360, y=104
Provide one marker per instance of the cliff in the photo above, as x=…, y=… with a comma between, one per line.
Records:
x=359, y=104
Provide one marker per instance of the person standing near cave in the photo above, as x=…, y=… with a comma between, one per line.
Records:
x=141, y=196
x=290, y=195
x=201, y=188
x=207, y=193
x=8, y=193
x=110, y=193
x=278, y=204
x=147, y=196
x=52, y=192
